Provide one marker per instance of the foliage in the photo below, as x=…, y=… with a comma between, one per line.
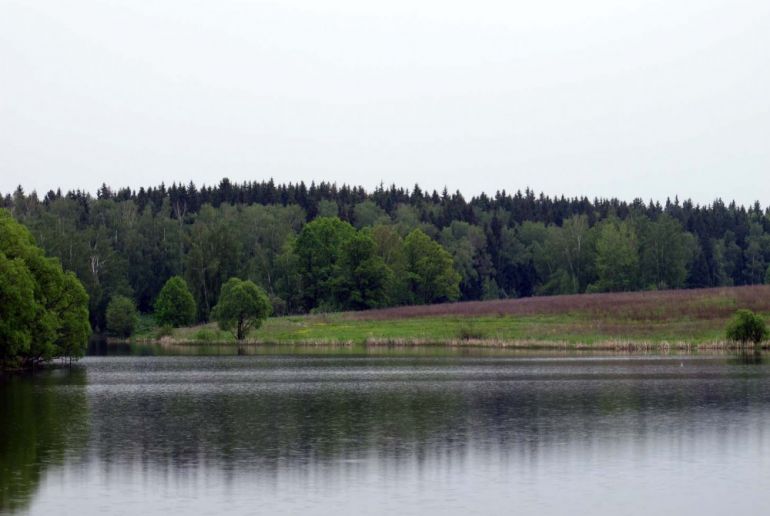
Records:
x=165, y=330
x=617, y=257
x=212, y=257
x=429, y=270
x=44, y=309
x=746, y=326
x=242, y=307
x=175, y=305
x=368, y=214
x=364, y=276
x=121, y=317
x=17, y=292
x=319, y=249
x=470, y=331
x=292, y=239
x=664, y=252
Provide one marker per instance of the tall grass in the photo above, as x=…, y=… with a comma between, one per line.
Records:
x=657, y=305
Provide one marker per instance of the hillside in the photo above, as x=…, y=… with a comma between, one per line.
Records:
x=679, y=318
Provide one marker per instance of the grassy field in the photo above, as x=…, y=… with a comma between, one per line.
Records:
x=680, y=318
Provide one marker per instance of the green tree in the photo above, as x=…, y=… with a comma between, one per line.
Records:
x=121, y=316
x=516, y=272
x=429, y=269
x=746, y=326
x=563, y=256
x=664, y=252
x=44, y=309
x=617, y=261
x=468, y=247
x=175, y=305
x=364, y=275
x=72, y=308
x=287, y=277
x=727, y=257
x=757, y=246
x=265, y=232
x=390, y=247
x=319, y=249
x=17, y=299
x=153, y=245
x=212, y=256
x=368, y=213
x=241, y=308
x=328, y=208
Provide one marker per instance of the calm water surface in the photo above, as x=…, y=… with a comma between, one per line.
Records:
x=388, y=434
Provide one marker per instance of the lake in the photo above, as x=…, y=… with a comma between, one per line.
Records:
x=397, y=432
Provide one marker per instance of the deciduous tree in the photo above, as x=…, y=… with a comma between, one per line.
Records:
x=241, y=308
x=175, y=305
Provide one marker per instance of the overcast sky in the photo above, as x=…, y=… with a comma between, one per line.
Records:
x=602, y=98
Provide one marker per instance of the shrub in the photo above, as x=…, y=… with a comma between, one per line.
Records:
x=175, y=305
x=164, y=331
x=469, y=331
x=746, y=326
x=204, y=335
x=122, y=317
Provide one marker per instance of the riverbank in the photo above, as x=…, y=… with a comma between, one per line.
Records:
x=659, y=320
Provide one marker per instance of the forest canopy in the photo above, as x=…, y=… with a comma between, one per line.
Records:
x=323, y=247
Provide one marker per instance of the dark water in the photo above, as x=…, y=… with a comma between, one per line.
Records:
x=388, y=435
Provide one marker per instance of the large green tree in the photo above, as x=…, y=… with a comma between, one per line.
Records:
x=429, y=269
x=241, y=308
x=468, y=246
x=175, y=305
x=389, y=246
x=44, y=309
x=319, y=249
x=363, y=282
x=664, y=252
x=757, y=249
x=212, y=256
x=122, y=317
x=617, y=261
x=17, y=299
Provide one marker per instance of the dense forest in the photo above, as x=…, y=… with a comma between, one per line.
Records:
x=325, y=247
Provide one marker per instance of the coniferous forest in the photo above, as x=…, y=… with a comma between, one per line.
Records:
x=325, y=247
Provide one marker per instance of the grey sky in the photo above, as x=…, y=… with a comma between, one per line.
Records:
x=598, y=97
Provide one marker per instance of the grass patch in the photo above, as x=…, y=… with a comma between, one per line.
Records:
x=693, y=317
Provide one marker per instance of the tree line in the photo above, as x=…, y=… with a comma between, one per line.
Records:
x=323, y=247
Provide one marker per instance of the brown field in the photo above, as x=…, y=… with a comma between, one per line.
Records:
x=653, y=306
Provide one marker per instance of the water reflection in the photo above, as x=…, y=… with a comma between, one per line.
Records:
x=43, y=422
x=748, y=357
x=427, y=434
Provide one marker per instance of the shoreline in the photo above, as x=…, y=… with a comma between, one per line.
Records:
x=628, y=345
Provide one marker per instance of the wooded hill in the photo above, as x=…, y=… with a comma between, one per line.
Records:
x=369, y=249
